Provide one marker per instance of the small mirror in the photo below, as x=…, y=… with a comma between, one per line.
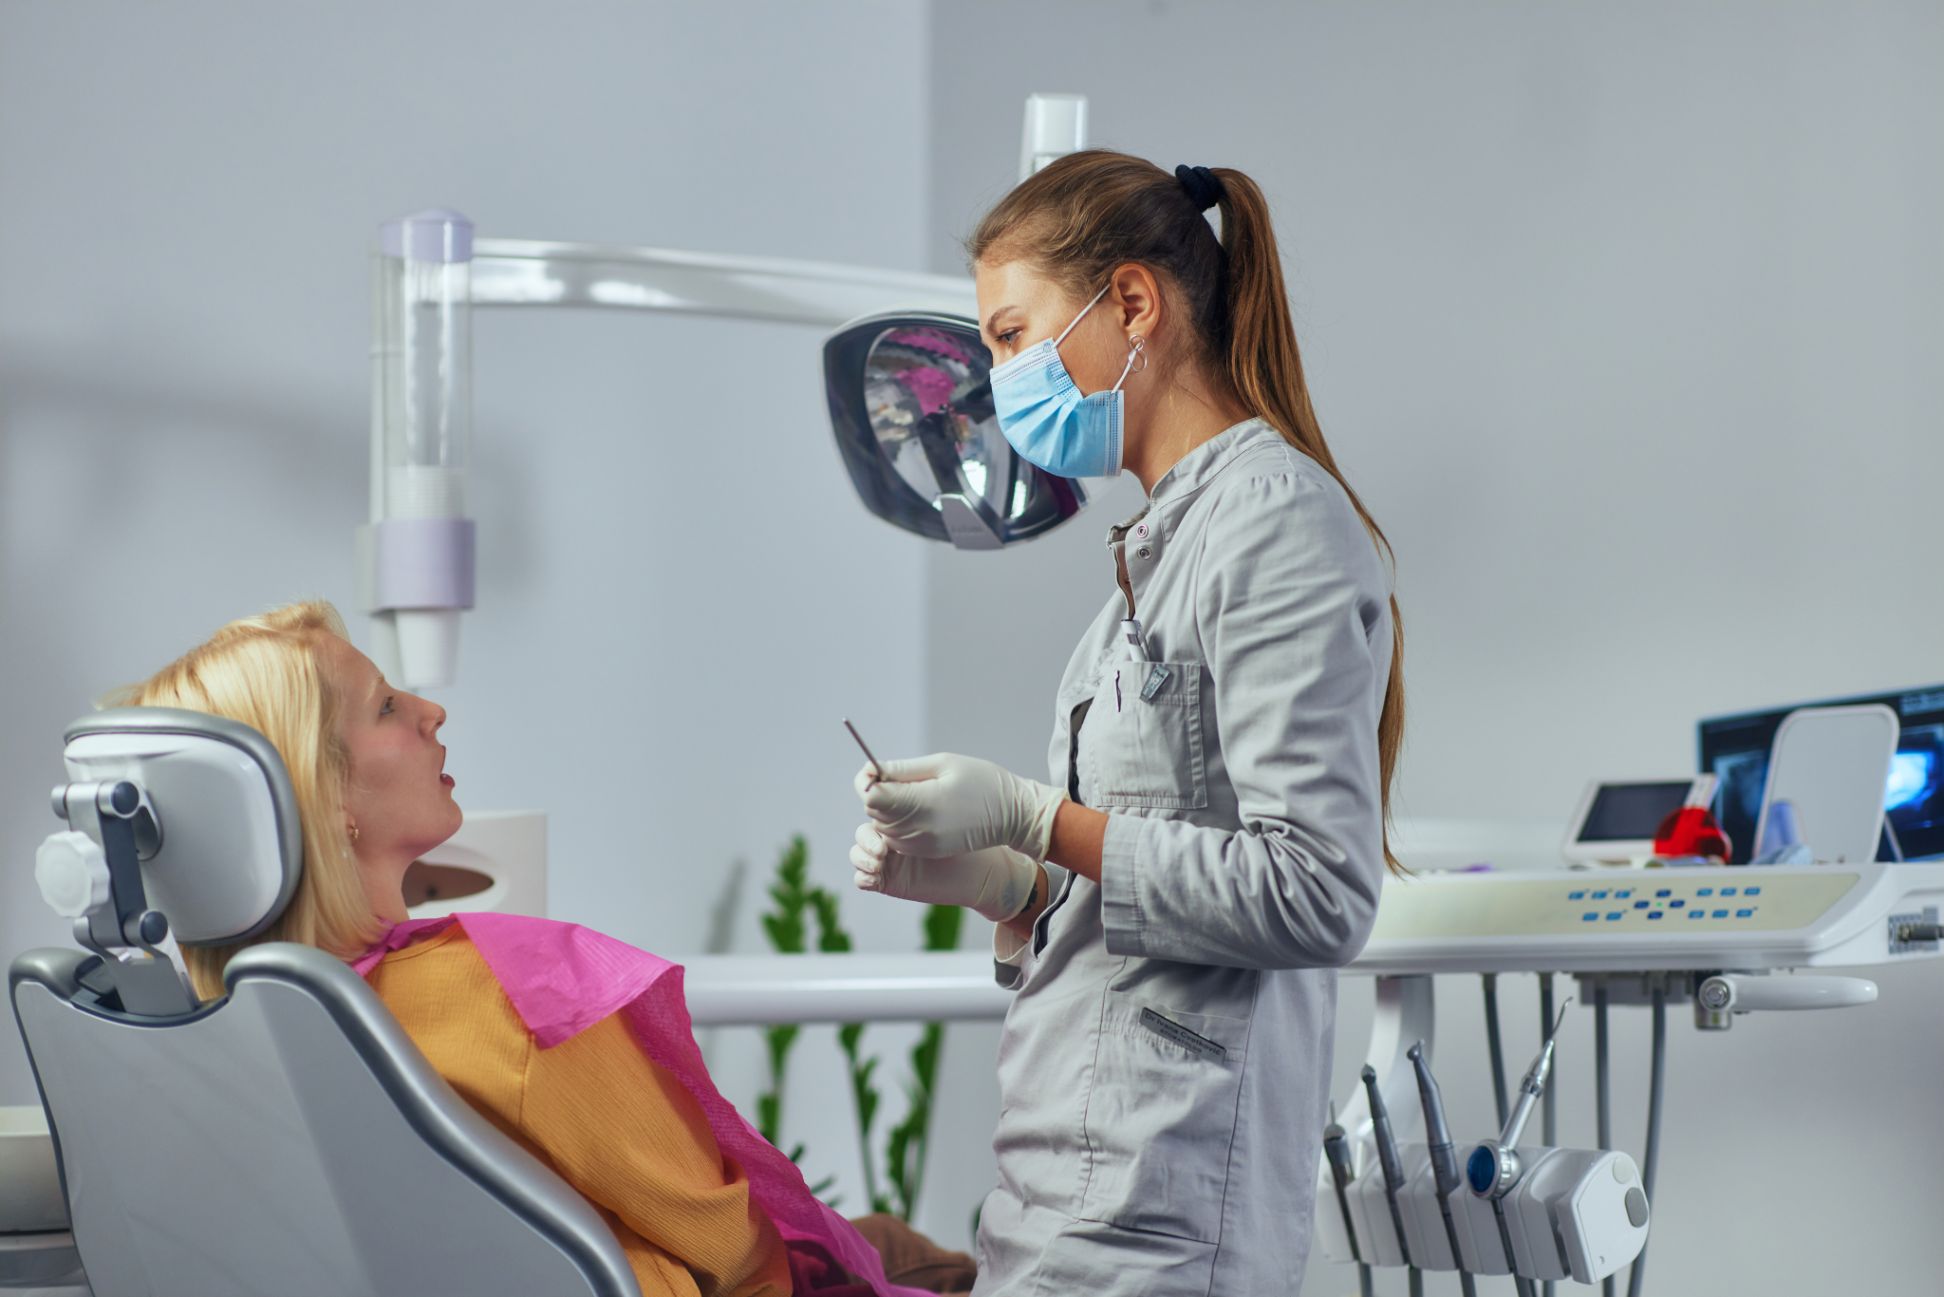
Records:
x=911, y=406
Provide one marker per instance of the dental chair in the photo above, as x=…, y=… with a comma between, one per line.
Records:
x=287, y=1138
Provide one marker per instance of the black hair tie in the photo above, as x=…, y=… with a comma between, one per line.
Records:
x=1203, y=189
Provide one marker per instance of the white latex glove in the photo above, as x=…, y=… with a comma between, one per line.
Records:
x=949, y=805
x=997, y=882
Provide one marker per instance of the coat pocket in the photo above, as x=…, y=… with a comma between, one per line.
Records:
x=1142, y=741
x=1160, y=1118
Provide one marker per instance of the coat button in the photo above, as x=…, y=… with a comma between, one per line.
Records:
x=1145, y=552
x=1141, y=531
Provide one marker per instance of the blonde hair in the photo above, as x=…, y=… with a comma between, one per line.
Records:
x=1081, y=216
x=266, y=672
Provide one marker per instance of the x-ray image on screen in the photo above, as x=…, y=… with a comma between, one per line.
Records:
x=1735, y=750
x=1916, y=782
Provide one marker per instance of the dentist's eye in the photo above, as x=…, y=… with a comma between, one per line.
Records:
x=386, y=710
x=1009, y=337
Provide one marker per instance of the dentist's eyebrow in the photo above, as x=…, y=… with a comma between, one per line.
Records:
x=992, y=321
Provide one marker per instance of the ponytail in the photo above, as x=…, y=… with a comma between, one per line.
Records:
x=1266, y=372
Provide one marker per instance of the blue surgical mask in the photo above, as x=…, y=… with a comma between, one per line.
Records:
x=1049, y=421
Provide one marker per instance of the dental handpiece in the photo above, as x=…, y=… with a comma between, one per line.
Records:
x=1444, y=1160
x=1387, y=1156
x=1336, y=1148
x=1494, y=1166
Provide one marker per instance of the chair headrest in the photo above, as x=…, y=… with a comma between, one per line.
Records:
x=217, y=834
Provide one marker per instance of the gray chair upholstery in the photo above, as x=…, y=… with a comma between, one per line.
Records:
x=288, y=1139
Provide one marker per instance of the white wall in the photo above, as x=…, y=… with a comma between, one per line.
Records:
x=1625, y=322
x=679, y=596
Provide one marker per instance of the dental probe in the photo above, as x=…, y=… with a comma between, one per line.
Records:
x=1444, y=1162
x=1336, y=1147
x=1393, y=1170
x=877, y=771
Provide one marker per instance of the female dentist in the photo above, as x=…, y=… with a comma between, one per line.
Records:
x=1173, y=909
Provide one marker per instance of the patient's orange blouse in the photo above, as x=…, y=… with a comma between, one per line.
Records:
x=602, y=1114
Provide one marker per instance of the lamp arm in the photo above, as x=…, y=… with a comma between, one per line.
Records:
x=532, y=272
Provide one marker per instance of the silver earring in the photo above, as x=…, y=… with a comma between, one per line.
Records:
x=354, y=833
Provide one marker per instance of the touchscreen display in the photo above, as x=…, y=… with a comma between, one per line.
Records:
x=1631, y=812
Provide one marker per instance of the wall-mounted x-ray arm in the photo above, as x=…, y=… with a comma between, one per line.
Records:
x=416, y=556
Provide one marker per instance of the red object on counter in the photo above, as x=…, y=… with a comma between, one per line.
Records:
x=1692, y=831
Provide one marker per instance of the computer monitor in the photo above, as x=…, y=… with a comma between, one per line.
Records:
x=1735, y=750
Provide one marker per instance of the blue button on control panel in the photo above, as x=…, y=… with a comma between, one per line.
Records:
x=1721, y=914
x=1706, y=891
x=1621, y=896
x=1727, y=891
x=1658, y=914
x=1697, y=914
x=1744, y=914
x=1576, y=896
x=1751, y=891
x=1676, y=904
x=1665, y=891
x=1612, y=915
x=1641, y=905
x=1600, y=895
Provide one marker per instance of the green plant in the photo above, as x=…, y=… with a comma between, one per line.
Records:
x=786, y=931
x=910, y=1140
x=907, y=1143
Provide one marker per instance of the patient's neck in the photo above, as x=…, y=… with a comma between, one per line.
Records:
x=384, y=887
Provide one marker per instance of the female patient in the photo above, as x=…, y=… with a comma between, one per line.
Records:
x=368, y=770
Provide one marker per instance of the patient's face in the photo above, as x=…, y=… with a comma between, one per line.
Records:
x=397, y=793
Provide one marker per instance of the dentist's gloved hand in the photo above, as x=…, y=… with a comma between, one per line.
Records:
x=948, y=805
x=997, y=882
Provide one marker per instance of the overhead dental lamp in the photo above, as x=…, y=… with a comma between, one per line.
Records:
x=911, y=404
x=904, y=372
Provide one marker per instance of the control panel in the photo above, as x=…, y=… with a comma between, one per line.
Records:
x=1635, y=920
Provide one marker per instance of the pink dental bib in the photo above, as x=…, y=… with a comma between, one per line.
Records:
x=562, y=979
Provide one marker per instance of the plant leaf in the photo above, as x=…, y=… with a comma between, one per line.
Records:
x=942, y=926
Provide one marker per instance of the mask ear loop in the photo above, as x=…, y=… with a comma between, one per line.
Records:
x=1083, y=315
x=1138, y=351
